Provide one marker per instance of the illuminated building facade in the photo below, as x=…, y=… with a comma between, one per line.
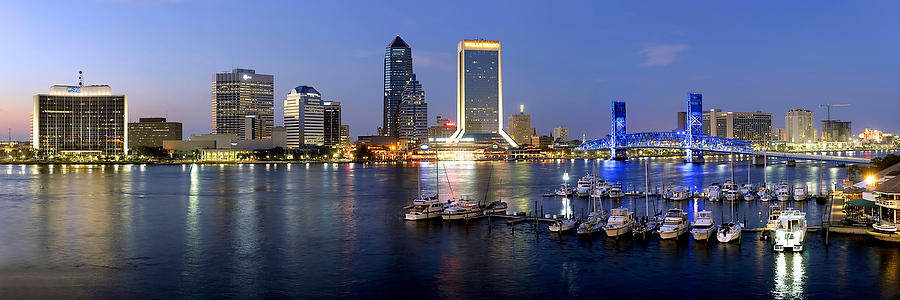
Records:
x=442, y=130
x=835, y=131
x=151, y=132
x=304, y=118
x=747, y=126
x=799, y=126
x=480, y=93
x=398, y=70
x=520, y=129
x=79, y=119
x=243, y=104
x=413, y=113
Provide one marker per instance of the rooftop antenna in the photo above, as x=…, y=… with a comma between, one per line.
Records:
x=80, y=78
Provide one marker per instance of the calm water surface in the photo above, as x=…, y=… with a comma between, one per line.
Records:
x=336, y=230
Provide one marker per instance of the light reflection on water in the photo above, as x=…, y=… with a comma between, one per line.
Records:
x=789, y=276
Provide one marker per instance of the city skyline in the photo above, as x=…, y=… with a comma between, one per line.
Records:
x=652, y=64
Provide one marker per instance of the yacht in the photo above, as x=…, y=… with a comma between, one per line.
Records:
x=592, y=225
x=679, y=193
x=496, y=207
x=783, y=192
x=425, y=208
x=674, y=225
x=615, y=191
x=462, y=209
x=620, y=222
x=563, y=225
x=790, y=231
x=730, y=191
x=729, y=232
x=774, y=214
x=704, y=226
x=800, y=193
x=748, y=191
x=584, y=185
x=600, y=189
x=714, y=192
x=764, y=195
x=564, y=190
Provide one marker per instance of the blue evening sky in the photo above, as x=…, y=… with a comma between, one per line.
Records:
x=565, y=60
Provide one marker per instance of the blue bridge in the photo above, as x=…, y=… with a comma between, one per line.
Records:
x=694, y=144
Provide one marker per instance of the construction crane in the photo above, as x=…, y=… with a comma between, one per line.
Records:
x=829, y=106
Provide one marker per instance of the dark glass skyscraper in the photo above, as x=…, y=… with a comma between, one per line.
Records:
x=480, y=93
x=397, y=72
x=413, y=113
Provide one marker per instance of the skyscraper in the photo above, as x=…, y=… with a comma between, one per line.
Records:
x=413, y=113
x=398, y=70
x=835, y=131
x=561, y=134
x=479, y=93
x=304, y=118
x=520, y=127
x=332, y=123
x=799, y=126
x=80, y=120
x=243, y=104
x=748, y=126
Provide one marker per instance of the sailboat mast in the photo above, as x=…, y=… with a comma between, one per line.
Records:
x=437, y=176
x=647, y=188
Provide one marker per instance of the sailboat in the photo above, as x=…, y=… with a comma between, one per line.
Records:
x=730, y=231
x=649, y=225
x=566, y=224
x=426, y=207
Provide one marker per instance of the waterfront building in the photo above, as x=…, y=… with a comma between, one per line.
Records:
x=748, y=126
x=331, y=128
x=542, y=141
x=442, y=130
x=80, y=120
x=480, y=93
x=799, y=126
x=780, y=134
x=304, y=117
x=835, y=131
x=413, y=113
x=243, y=103
x=561, y=134
x=345, y=135
x=151, y=132
x=279, y=137
x=398, y=70
x=520, y=129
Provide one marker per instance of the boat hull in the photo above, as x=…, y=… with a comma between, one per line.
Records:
x=702, y=234
x=615, y=231
x=461, y=216
x=891, y=237
x=671, y=234
x=421, y=216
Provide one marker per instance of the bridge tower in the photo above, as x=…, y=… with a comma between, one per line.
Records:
x=694, y=126
x=617, y=127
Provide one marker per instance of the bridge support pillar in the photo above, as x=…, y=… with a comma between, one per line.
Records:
x=692, y=156
x=759, y=160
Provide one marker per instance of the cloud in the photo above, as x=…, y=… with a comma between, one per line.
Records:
x=661, y=55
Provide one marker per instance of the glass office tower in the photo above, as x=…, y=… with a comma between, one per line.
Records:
x=397, y=72
x=80, y=120
x=480, y=93
x=243, y=104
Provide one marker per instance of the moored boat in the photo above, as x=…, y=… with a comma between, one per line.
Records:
x=790, y=233
x=674, y=224
x=620, y=222
x=704, y=226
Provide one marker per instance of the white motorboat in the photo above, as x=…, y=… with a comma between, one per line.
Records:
x=714, y=192
x=425, y=208
x=563, y=225
x=620, y=222
x=704, y=226
x=600, y=189
x=764, y=194
x=564, y=190
x=615, y=191
x=674, y=224
x=772, y=222
x=584, y=185
x=749, y=191
x=790, y=233
x=462, y=209
x=729, y=232
x=783, y=192
x=800, y=193
x=677, y=193
x=730, y=191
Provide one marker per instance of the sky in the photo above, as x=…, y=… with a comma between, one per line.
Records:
x=564, y=60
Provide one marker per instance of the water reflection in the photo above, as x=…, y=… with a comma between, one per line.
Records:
x=789, y=276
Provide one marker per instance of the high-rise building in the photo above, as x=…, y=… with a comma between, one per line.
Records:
x=151, y=132
x=748, y=126
x=780, y=134
x=413, y=113
x=480, y=93
x=398, y=69
x=304, y=118
x=799, y=126
x=345, y=134
x=835, y=131
x=680, y=119
x=520, y=127
x=243, y=104
x=80, y=120
x=331, y=123
x=561, y=134
x=442, y=130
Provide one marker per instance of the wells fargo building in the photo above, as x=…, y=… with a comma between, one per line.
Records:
x=80, y=120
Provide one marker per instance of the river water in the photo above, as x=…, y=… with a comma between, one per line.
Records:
x=336, y=230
